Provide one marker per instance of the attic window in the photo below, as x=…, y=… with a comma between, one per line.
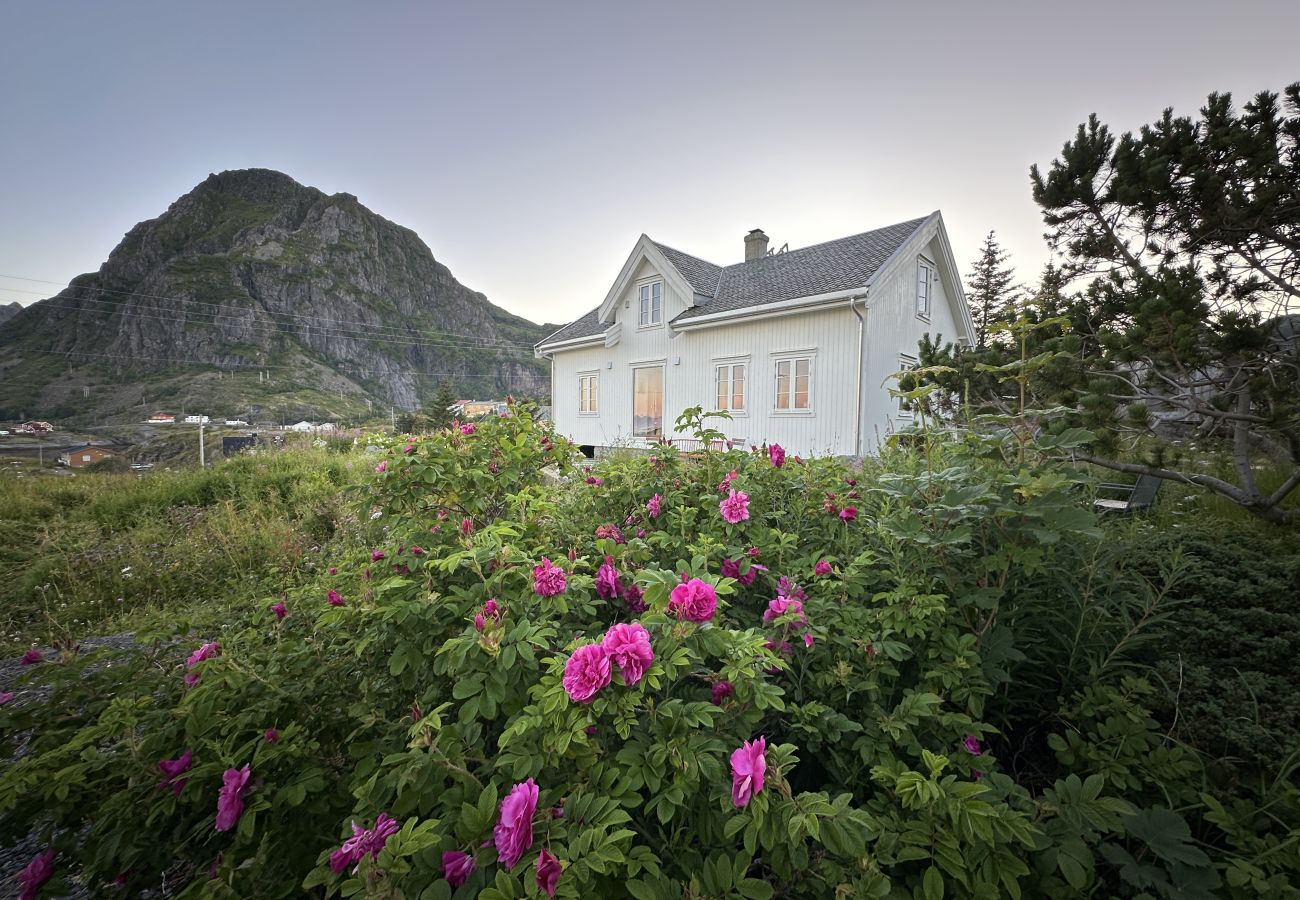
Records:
x=924, y=286
x=652, y=304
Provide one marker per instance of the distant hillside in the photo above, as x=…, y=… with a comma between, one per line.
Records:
x=255, y=295
x=8, y=311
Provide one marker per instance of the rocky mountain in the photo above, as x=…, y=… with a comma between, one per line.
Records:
x=256, y=295
x=8, y=311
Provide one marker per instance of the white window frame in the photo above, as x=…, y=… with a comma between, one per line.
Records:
x=793, y=357
x=905, y=363
x=648, y=316
x=729, y=363
x=924, y=296
x=589, y=390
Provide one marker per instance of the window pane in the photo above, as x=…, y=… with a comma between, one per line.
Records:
x=582, y=395
x=595, y=383
x=657, y=288
x=783, y=384
x=801, y=367
x=720, y=374
x=656, y=309
x=737, y=387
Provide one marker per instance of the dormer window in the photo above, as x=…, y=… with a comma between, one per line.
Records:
x=652, y=304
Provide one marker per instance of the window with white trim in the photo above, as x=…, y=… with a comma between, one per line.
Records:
x=729, y=387
x=794, y=384
x=924, y=286
x=905, y=364
x=588, y=389
x=652, y=304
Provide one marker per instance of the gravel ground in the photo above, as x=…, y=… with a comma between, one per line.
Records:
x=14, y=859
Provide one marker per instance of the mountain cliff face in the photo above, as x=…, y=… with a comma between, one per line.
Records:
x=9, y=310
x=253, y=278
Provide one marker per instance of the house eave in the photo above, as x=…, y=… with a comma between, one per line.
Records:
x=541, y=350
x=772, y=310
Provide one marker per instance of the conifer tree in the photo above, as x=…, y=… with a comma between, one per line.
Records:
x=991, y=289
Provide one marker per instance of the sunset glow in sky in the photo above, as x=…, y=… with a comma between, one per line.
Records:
x=530, y=144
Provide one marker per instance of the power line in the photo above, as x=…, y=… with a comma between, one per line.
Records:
x=395, y=330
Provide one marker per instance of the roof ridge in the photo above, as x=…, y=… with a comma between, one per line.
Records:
x=664, y=246
x=915, y=223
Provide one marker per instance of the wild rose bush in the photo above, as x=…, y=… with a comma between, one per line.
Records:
x=737, y=674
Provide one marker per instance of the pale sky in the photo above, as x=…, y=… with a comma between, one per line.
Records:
x=529, y=144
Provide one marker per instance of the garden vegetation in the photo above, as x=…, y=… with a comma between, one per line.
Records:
x=728, y=674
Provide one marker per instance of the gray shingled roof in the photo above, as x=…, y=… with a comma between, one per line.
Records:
x=838, y=265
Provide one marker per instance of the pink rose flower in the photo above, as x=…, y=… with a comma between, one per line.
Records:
x=849, y=513
x=972, y=745
x=38, y=872
x=586, y=672
x=548, y=579
x=735, y=507
x=779, y=606
x=280, y=610
x=171, y=768
x=457, y=866
x=776, y=453
x=693, y=601
x=271, y=736
x=513, y=834
x=5, y=697
x=748, y=766
x=730, y=568
x=720, y=691
x=822, y=568
x=629, y=647
x=654, y=506
x=332, y=570
x=610, y=532
x=230, y=803
x=725, y=484
x=466, y=526
x=479, y=621
x=32, y=657
x=335, y=598
x=207, y=651
x=548, y=872
x=632, y=597
x=364, y=841
x=467, y=429
x=607, y=580
x=382, y=467
x=377, y=555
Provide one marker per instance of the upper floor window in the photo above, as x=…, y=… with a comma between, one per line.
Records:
x=924, y=286
x=588, y=387
x=794, y=383
x=729, y=381
x=652, y=303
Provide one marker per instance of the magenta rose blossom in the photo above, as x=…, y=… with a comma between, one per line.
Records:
x=271, y=736
x=748, y=766
x=629, y=647
x=230, y=803
x=780, y=606
x=972, y=745
x=693, y=601
x=720, y=691
x=607, y=580
x=32, y=657
x=171, y=768
x=849, y=513
x=363, y=841
x=513, y=834
x=822, y=568
x=457, y=866
x=548, y=579
x=38, y=872
x=335, y=598
x=548, y=872
x=735, y=506
x=654, y=506
x=776, y=453
x=730, y=568
x=586, y=672
x=280, y=610
x=377, y=555
x=381, y=468
x=207, y=651
x=5, y=697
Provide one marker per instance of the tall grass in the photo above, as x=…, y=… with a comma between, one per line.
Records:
x=91, y=555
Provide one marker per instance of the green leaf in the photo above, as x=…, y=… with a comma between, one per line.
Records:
x=932, y=884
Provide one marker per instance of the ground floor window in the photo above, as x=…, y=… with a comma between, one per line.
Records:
x=648, y=402
x=729, y=381
x=588, y=386
x=794, y=383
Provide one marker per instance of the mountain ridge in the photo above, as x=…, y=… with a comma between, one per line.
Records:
x=258, y=279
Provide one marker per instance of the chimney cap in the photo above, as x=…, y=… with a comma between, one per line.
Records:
x=756, y=231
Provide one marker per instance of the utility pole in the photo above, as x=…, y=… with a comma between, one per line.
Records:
x=203, y=463
x=392, y=416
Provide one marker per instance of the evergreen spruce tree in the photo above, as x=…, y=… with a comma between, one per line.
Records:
x=992, y=292
x=439, y=413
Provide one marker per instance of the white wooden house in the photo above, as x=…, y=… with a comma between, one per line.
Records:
x=797, y=346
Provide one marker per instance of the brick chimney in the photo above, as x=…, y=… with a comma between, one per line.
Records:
x=755, y=245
